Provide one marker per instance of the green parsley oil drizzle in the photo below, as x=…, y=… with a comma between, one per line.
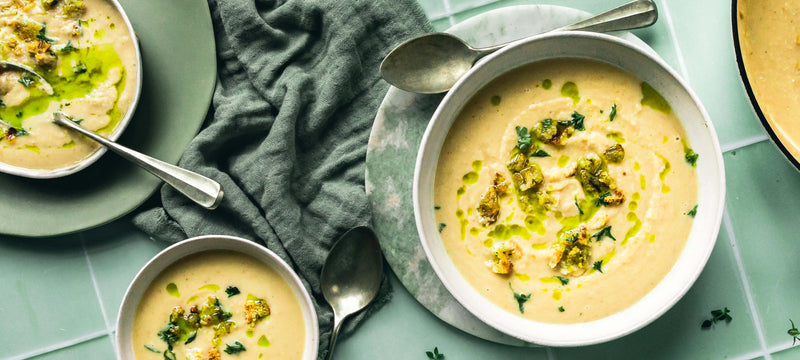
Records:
x=663, y=174
x=637, y=225
x=263, y=341
x=547, y=84
x=563, y=161
x=535, y=223
x=642, y=182
x=472, y=176
x=616, y=136
x=172, y=290
x=570, y=90
x=212, y=287
x=462, y=220
x=505, y=232
x=495, y=100
x=651, y=98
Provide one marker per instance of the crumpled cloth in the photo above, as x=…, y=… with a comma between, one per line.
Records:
x=297, y=91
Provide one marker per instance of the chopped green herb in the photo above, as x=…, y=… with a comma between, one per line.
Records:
x=232, y=290
x=716, y=316
x=613, y=113
x=598, y=265
x=26, y=79
x=691, y=157
x=561, y=309
x=606, y=231
x=67, y=48
x=435, y=354
x=79, y=69
x=2, y=104
x=437, y=207
x=600, y=200
x=692, y=212
x=152, y=349
x=191, y=337
x=495, y=100
x=564, y=281
x=442, y=226
x=520, y=298
x=524, y=138
x=169, y=354
x=793, y=332
x=236, y=348
x=539, y=153
x=42, y=35
x=578, y=205
x=576, y=121
x=170, y=333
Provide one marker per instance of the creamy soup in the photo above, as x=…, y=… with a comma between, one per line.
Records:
x=218, y=305
x=84, y=50
x=769, y=36
x=565, y=190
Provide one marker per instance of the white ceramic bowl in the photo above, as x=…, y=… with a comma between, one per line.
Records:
x=711, y=192
x=123, y=123
x=170, y=255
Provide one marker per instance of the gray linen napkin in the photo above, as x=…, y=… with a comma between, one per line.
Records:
x=297, y=91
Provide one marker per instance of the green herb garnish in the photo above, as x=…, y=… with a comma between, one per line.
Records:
x=169, y=354
x=67, y=48
x=442, y=226
x=793, y=332
x=524, y=138
x=191, y=337
x=692, y=212
x=613, y=113
x=79, y=69
x=520, y=298
x=606, y=231
x=42, y=35
x=152, y=349
x=26, y=79
x=435, y=354
x=2, y=104
x=236, y=348
x=576, y=121
x=437, y=207
x=564, y=281
x=691, y=157
x=578, y=205
x=716, y=316
x=539, y=153
x=232, y=290
x=600, y=200
x=598, y=265
x=561, y=309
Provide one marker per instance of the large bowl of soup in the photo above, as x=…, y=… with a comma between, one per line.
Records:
x=569, y=189
x=87, y=51
x=213, y=297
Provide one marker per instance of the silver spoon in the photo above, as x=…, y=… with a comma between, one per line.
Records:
x=432, y=63
x=200, y=189
x=351, y=276
x=7, y=65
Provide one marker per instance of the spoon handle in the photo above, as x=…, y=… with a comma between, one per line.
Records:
x=200, y=189
x=337, y=325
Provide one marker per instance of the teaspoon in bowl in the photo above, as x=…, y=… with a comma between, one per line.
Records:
x=200, y=189
x=433, y=63
x=351, y=276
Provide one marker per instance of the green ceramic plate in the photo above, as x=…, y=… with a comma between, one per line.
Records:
x=179, y=72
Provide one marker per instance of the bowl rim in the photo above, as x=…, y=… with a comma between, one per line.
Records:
x=114, y=136
x=751, y=96
x=690, y=275
x=169, y=256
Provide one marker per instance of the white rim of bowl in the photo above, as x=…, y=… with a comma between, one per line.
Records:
x=604, y=329
x=178, y=251
x=94, y=156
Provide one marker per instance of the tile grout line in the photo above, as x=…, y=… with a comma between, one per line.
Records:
x=726, y=221
x=738, y=144
x=674, y=37
x=94, y=283
x=550, y=354
x=65, y=344
x=449, y=12
x=782, y=347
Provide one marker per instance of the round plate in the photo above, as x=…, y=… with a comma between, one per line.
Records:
x=173, y=104
x=392, y=151
x=786, y=143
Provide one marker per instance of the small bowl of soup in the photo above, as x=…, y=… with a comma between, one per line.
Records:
x=212, y=297
x=569, y=189
x=88, y=53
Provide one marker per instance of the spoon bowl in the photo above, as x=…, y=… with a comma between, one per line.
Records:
x=351, y=276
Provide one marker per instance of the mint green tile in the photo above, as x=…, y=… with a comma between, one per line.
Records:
x=762, y=192
x=433, y=8
x=441, y=24
x=47, y=295
x=117, y=251
x=99, y=348
x=657, y=36
x=711, y=64
x=792, y=353
x=404, y=329
x=677, y=334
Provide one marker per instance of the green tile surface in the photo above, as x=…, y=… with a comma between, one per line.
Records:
x=755, y=268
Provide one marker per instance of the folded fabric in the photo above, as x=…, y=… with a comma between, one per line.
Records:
x=286, y=137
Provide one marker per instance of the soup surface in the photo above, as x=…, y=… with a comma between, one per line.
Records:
x=769, y=36
x=219, y=305
x=84, y=50
x=565, y=190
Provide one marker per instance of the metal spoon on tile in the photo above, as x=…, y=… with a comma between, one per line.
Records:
x=351, y=276
x=432, y=63
x=200, y=189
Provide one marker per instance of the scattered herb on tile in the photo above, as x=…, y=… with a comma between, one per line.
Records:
x=613, y=113
x=563, y=280
x=236, y=348
x=442, y=226
x=191, y=337
x=577, y=205
x=26, y=79
x=606, y=231
x=524, y=138
x=692, y=212
x=520, y=298
x=435, y=354
x=598, y=265
x=561, y=309
x=793, y=332
x=232, y=290
x=495, y=100
x=717, y=316
x=539, y=153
